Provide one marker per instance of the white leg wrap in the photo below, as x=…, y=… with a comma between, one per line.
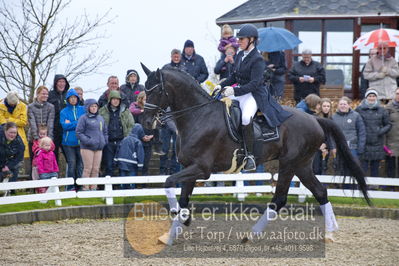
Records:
x=268, y=215
x=176, y=226
x=171, y=195
x=329, y=217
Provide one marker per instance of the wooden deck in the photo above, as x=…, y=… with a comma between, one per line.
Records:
x=326, y=91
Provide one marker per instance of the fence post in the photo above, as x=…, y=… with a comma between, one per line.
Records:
x=108, y=188
x=57, y=190
x=240, y=196
x=301, y=197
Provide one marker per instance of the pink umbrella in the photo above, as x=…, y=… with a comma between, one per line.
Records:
x=372, y=39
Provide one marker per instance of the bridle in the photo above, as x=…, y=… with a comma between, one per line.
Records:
x=162, y=115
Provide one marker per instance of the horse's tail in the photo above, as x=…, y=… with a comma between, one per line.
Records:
x=329, y=127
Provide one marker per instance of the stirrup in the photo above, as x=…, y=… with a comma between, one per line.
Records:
x=250, y=164
x=158, y=150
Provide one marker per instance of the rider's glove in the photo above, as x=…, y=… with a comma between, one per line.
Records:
x=228, y=91
x=216, y=90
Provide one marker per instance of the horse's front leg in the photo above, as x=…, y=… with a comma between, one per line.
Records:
x=187, y=177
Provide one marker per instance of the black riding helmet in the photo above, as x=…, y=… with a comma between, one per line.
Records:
x=248, y=31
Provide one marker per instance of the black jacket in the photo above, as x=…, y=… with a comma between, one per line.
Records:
x=248, y=74
x=315, y=70
x=376, y=121
x=131, y=90
x=59, y=101
x=224, y=69
x=11, y=154
x=195, y=66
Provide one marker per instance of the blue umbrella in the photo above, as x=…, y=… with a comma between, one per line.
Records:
x=276, y=39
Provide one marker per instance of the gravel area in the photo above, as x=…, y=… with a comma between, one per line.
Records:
x=359, y=241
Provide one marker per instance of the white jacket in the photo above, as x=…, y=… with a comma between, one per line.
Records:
x=383, y=83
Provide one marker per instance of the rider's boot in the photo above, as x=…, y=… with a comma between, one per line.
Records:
x=248, y=137
x=157, y=144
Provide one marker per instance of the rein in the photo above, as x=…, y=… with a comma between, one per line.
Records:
x=162, y=115
x=176, y=114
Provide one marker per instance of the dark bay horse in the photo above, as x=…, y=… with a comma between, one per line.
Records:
x=205, y=147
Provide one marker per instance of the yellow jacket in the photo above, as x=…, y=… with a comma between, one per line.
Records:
x=20, y=117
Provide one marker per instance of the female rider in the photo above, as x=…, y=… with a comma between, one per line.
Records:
x=250, y=91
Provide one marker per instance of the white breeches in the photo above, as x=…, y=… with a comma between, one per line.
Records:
x=248, y=107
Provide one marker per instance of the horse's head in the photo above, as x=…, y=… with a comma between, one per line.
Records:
x=157, y=100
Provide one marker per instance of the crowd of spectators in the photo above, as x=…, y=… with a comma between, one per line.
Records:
x=105, y=136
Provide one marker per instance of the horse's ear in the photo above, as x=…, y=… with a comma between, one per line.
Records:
x=146, y=70
x=158, y=74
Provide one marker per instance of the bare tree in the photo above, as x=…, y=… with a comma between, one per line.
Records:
x=35, y=38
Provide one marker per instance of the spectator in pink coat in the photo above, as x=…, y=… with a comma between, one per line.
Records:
x=45, y=161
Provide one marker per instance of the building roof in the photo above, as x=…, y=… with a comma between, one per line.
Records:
x=261, y=10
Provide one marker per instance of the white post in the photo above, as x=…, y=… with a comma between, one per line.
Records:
x=301, y=197
x=56, y=189
x=240, y=196
x=108, y=188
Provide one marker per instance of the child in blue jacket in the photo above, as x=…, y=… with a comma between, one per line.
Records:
x=130, y=156
x=69, y=117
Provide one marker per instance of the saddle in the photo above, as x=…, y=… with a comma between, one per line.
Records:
x=262, y=131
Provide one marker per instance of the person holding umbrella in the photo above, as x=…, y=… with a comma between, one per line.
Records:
x=274, y=75
x=381, y=71
x=272, y=43
x=250, y=91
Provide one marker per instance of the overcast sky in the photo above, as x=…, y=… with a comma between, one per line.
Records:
x=146, y=31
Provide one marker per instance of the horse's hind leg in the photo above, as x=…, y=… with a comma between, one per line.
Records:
x=310, y=181
x=279, y=199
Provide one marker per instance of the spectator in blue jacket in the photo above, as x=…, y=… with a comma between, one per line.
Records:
x=69, y=117
x=311, y=104
x=130, y=156
x=93, y=136
x=193, y=63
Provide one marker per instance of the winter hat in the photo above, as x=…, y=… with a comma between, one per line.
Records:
x=12, y=98
x=114, y=94
x=371, y=91
x=131, y=72
x=189, y=43
x=90, y=102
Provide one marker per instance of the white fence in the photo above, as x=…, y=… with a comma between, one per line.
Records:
x=239, y=189
x=372, y=182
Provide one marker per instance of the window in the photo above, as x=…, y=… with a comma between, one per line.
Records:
x=339, y=36
x=276, y=24
x=309, y=32
x=344, y=64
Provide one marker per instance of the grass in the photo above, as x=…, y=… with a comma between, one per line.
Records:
x=338, y=201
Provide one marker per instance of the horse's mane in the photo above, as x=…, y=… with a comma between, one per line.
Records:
x=188, y=80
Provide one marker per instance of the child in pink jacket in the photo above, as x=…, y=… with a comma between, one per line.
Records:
x=45, y=159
